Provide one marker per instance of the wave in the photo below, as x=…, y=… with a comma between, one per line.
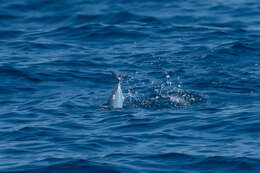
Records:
x=10, y=71
x=200, y=162
x=122, y=17
x=10, y=34
x=95, y=32
x=76, y=166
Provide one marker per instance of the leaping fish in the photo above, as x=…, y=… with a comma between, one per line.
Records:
x=116, y=99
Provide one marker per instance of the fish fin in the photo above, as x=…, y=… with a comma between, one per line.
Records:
x=116, y=76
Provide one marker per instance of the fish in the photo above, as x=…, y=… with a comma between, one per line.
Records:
x=116, y=100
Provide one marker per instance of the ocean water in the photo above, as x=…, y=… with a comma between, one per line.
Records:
x=192, y=100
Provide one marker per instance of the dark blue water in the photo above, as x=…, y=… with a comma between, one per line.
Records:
x=192, y=92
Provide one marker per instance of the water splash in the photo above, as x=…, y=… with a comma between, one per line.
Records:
x=163, y=95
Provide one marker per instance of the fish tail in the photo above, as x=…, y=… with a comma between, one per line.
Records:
x=119, y=78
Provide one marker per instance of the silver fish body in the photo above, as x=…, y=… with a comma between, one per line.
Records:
x=116, y=100
x=117, y=97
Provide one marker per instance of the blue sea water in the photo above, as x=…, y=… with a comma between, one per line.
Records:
x=192, y=95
